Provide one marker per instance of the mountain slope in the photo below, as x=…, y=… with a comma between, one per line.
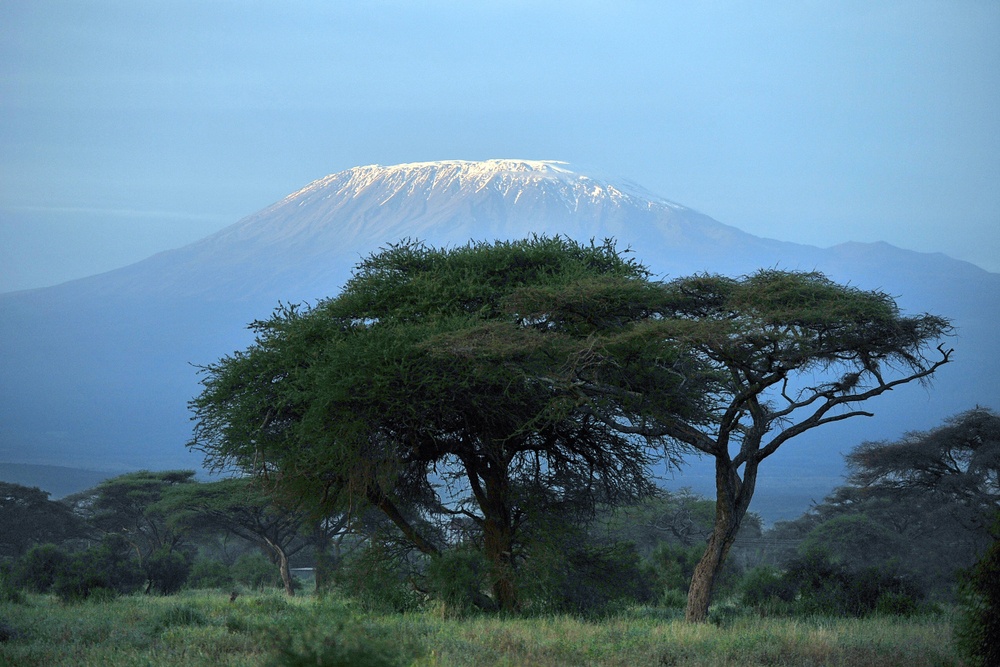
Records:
x=97, y=372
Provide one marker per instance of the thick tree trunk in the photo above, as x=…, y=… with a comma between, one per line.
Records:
x=706, y=572
x=732, y=501
x=498, y=534
x=498, y=543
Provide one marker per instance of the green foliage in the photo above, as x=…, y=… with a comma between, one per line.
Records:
x=28, y=517
x=460, y=361
x=457, y=578
x=37, y=569
x=255, y=571
x=205, y=630
x=130, y=506
x=583, y=578
x=9, y=591
x=167, y=570
x=767, y=590
x=345, y=644
x=105, y=570
x=209, y=573
x=978, y=626
x=375, y=578
x=826, y=587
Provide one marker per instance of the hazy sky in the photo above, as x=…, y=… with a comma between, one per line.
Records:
x=131, y=127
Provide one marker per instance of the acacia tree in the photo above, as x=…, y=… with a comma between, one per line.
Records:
x=240, y=508
x=760, y=339
x=956, y=464
x=28, y=517
x=458, y=364
x=128, y=505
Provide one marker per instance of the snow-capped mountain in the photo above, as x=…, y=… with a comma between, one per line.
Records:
x=97, y=371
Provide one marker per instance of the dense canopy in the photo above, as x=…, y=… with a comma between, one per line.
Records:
x=449, y=381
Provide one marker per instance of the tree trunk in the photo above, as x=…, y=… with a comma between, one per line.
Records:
x=732, y=501
x=498, y=534
x=497, y=543
x=382, y=502
x=286, y=572
x=705, y=573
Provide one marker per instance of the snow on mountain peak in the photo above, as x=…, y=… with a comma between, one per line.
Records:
x=506, y=177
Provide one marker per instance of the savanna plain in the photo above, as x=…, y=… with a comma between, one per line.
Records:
x=206, y=627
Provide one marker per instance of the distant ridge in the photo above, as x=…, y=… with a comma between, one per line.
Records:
x=58, y=481
x=98, y=371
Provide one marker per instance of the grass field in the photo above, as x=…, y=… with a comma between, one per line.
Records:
x=205, y=628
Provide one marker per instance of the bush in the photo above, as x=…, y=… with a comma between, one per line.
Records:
x=375, y=579
x=767, y=590
x=830, y=588
x=37, y=569
x=584, y=579
x=167, y=570
x=104, y=570
x=978, y=625
x=209, y=573
x=457, y=578
x=8, y=591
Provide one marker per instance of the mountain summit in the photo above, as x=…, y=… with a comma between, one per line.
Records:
x=98, y=371
x=310, y=239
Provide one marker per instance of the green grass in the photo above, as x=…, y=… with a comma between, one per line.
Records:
x=205, y=628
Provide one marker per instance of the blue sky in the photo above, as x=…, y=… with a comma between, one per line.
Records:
x=127, y=128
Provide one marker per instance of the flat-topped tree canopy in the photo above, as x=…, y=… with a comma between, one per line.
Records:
x=454, y=364
x=543, y=373
x=788, y=352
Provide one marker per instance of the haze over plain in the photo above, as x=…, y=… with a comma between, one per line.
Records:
x=132, y=128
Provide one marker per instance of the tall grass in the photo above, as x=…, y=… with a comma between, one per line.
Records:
x=205, y=628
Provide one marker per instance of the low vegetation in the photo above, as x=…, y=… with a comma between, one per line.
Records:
x=266, y=628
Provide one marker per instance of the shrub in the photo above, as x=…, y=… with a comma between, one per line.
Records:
x=8, y=591
x=167, y=570
x=104, y=570
x=767, y=590
x=375, y=579
x=584, y=579
x=830, y=588
x=37, y=569
x=457, y=577
x=978, y=625
x=209, y=573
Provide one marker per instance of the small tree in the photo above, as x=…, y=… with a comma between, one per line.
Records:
x=241, y=508
x=129, y=506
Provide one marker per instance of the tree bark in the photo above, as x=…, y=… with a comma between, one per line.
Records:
x=283, y=567
x=498, y=542
x=732, y=501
